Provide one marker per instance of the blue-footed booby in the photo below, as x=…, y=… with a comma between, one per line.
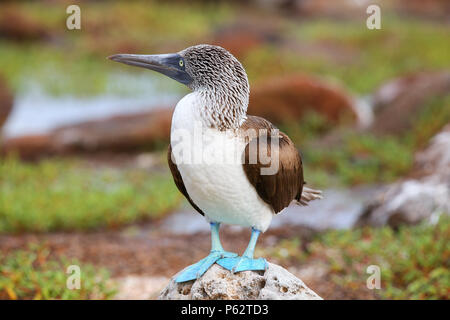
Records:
x=246, y=190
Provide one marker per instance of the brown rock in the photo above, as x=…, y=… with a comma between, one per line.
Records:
x=28, y=147
x=118, y=133
x=16, y=25
x=290, y=98
x=397, y=103
x=424, y=8
x=243, y=36
x=324, y=8
x=6, y=102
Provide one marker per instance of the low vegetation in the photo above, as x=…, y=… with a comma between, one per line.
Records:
x=434, y=115
x=351, y=157
x=414, y=260
x=74, y=62
x=57, y=194
x=33, y=274
x=361, y=59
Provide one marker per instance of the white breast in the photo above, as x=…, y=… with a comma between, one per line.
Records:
x=209, y=163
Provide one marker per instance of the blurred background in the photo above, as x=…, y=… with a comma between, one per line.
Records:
x=83, y=175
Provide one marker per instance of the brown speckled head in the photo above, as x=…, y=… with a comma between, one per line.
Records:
x=222, y=81
x=213, y=66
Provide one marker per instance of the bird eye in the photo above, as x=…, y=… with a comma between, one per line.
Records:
x=181, y=63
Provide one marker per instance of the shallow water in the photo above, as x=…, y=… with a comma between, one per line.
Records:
x=37, y=112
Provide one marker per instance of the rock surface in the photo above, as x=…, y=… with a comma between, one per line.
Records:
x=423, y=197
x=398, y=102
x=16, y=25
x=243, y=36
x=290, y=98
x=276, y=283
x=6, y=102
x=117, y=133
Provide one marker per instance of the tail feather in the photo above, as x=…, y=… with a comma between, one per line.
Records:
x=309, y=194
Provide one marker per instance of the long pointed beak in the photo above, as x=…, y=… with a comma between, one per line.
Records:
x=167, y=64
x=153, y=62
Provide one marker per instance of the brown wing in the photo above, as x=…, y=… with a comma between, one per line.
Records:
x=285, y=185
x=179, y=180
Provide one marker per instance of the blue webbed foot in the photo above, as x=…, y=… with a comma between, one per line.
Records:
x=196, y=270
x=242, y=264
x=246, y=262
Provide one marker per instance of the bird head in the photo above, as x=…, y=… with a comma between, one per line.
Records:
x=212, y=72
x=198, y=67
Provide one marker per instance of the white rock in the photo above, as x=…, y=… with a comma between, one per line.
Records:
x=425, y=197
x=275, y=283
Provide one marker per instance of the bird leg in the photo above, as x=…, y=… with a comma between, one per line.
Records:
x=246, y=262
x=217, y=252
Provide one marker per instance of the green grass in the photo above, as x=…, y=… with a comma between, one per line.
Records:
x=354, y=158
x=370, y=57
x=362, y=157
x=33, y=274
x=434, y=115
x=414, y=260
x=64, y=195
x=75, y=61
